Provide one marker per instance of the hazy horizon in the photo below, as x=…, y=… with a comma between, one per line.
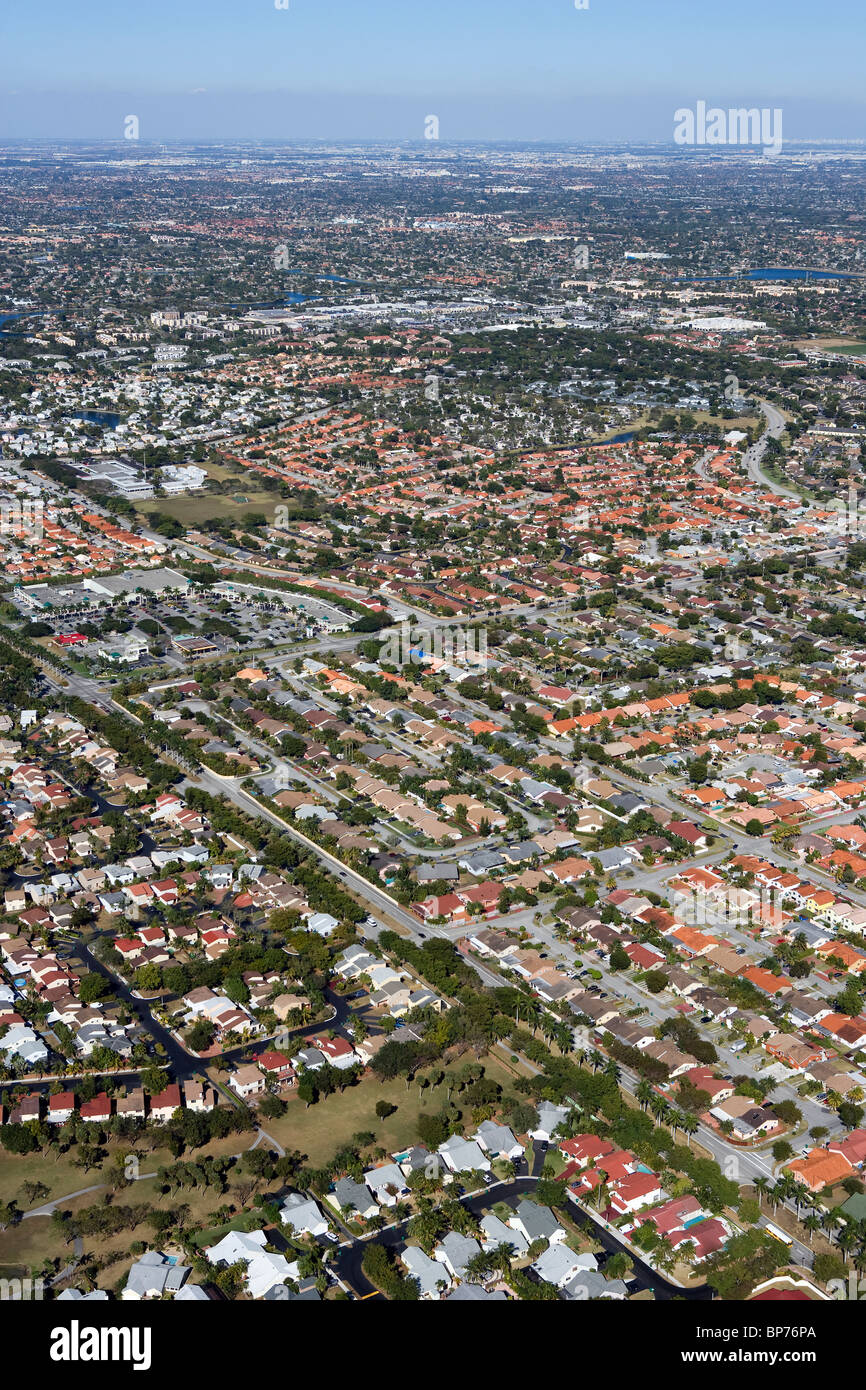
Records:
x=490, y=70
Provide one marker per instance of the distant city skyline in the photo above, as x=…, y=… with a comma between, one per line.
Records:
x=495, y=70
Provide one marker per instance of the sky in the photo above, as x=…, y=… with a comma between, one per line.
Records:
x=508, y=70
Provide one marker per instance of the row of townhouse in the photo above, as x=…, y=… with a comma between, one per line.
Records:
x=170, y=809
x=51, y=981
x=408, y=809
x=270, y=1068
x=135, y=1104
x=391, y=989
x=226, y=1016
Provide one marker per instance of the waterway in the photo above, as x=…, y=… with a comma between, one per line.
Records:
x=774, y=273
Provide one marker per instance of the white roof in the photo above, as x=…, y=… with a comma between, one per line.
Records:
x=463, y=1155
x=429, y=1273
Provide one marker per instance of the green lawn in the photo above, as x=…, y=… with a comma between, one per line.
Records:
x=320, y=1130
x=196, y=510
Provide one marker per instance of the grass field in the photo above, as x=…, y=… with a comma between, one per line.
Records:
x=319, y=1130
x=847, y=345
x=28, y=1243
x=200, y=507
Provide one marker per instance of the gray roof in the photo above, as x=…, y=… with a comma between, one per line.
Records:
x=353, y=1194
x=534, y=789
x=430, y=873
x=587, y=1284
x=525, y=849
x=558, y=1263
x=419, y=1157
x=301, y=1213
x=281, y=1293
x=474, y=1293
x=550, y=1116
x=429, y=1273
x=152, y=1272
x=191, y=1293
x=459, y=1249
x=497, y=1233
x=613, y=858
x=482, y=861
x=496, y=1138
x=538, y=1222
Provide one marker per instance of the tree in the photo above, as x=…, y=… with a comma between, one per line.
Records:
x=432, y=1129
x=148, y=977
x=34, y=1192
x=788, y=1112
x=272, y=1107
x=92, y=987
x=379, y=1266
x=748, y=1259
x=827, y=1267
x=619, y=960
x=618, y=1266
x=306, y=1091
x=201, y=1035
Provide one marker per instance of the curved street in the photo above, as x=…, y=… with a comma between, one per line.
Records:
x=348, y=1261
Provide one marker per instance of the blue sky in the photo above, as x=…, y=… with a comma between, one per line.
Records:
x=490, y=69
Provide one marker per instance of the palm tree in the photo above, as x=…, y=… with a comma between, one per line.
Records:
x=664, y=1256
x=675, y=1119
x=812, y=1224
x=797, y=1191
x=689, y=1126
x=847, y=1240
x=830, y=1220
x=602, y=1196
x=643, y=1094
x=659, y=1107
